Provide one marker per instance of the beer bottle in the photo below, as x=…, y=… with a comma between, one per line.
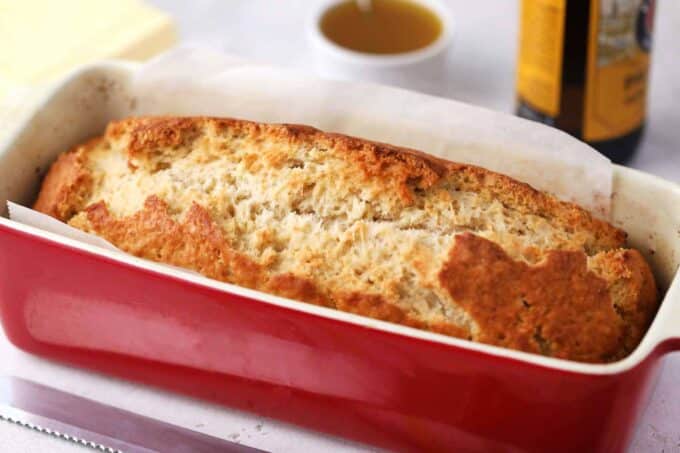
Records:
x=583, y=67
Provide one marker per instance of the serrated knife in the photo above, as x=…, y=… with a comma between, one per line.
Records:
x=97, y=426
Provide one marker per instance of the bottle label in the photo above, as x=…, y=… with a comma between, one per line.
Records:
x=619, y=43
x=539, y=68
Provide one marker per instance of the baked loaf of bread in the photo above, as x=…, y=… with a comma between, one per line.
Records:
x=363, y=227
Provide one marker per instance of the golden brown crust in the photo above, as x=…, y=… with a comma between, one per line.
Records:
x=197, y=244
x=634, y=291
x=67, y=184
x=149, y=138
x=534, y=308
x=403, y=170
x=409, y=169
x=583, y=298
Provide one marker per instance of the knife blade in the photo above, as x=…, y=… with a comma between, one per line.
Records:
x=98, y=426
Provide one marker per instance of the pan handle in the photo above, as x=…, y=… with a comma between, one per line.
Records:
x=666, y=327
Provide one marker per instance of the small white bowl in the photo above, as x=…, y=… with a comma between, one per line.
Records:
x=420, y=69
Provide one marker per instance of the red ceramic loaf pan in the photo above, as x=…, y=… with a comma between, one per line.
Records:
x=384, y=384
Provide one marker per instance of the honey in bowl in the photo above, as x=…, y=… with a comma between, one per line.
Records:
x=387, y=27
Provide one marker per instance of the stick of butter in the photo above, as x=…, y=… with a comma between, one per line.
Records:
x=42, y=39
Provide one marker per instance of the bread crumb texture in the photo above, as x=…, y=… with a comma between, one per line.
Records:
x=363, y=227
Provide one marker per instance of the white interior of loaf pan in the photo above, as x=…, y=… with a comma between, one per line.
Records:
x=80, y=107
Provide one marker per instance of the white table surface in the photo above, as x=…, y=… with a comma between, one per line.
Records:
x=481, y=72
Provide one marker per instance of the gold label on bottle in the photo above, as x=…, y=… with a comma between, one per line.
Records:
x=618, y=65
x=539, y=68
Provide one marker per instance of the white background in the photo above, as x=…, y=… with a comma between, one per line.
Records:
x=481, y=71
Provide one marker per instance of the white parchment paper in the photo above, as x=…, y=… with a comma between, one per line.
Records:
x=36, y=219
x=42, y=221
